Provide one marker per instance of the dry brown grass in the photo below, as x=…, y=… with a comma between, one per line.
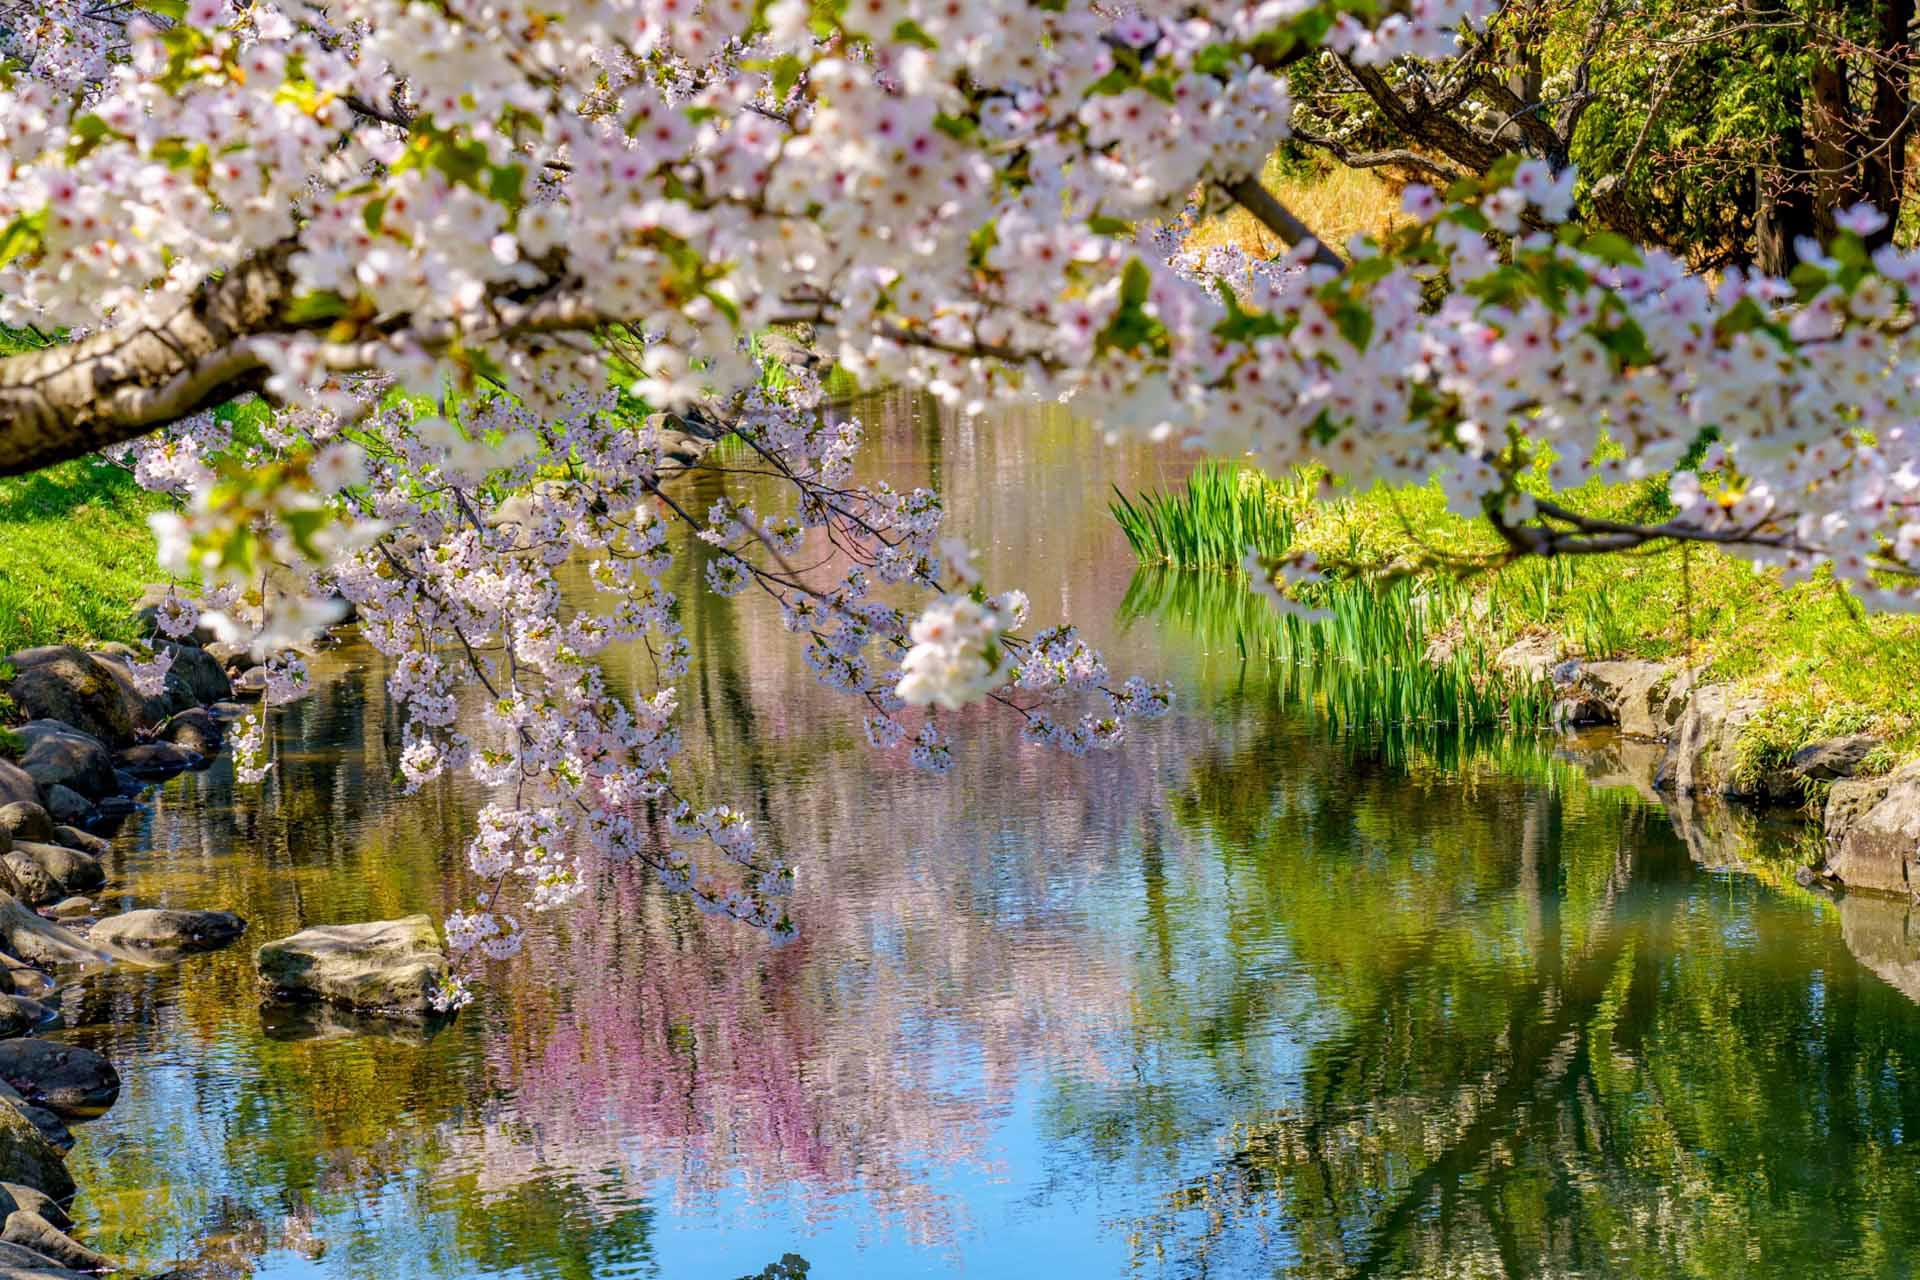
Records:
x=1336, y=206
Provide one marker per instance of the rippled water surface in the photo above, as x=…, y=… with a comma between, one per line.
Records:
x=1237, y=1000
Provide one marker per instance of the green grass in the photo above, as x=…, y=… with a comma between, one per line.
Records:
x=75, y=552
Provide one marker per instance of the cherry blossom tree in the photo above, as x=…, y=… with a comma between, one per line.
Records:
x=421, y=303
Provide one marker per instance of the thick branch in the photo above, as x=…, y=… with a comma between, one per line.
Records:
x=67, y=400
x=1277, y=218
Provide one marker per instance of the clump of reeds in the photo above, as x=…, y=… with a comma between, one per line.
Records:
x=1224, y=511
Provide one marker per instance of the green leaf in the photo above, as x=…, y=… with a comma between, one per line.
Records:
x=313, y=308
x=959, y=128
x=1355, y=323
x=1118, y=80
x=1611, y=248
x=907, y=31
x=23, y=235
x=505, y=182
x=1102, y=225
x=374, y=213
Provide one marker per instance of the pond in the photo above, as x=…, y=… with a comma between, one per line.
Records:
x=1239, y=999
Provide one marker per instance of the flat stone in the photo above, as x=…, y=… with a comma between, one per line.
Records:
x=27, y=1158
x=71, y=908
x=155, y=760
x=37, y=1201
x=85, y=841
x=74, y=871
x=250, y=684
x=1831, y=759
x=385, y=965
x=42, y=943
x=67, y=1079
x=161, y=929
x=58, y=753
x=17, y=1262
x=17, y=785
x=23, y=979
x=26, y=1228
x=226, y=711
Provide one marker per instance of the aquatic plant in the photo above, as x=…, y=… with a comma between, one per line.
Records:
x=1223, y=511
x=1386, y=654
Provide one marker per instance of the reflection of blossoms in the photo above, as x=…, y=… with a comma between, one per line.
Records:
x=250, y=762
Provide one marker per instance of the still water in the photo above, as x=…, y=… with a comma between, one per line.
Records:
x=1238, y=1000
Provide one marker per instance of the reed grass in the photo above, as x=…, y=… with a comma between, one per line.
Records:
x=1372, y=663
x=1223, y=511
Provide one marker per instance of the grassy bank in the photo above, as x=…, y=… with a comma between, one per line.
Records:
x=75, y=552
x=1821, y=663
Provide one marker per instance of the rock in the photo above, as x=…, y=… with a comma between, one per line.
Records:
x=250, y=684
x=59, y=754
x=1700, y=753
x=51, y=1127
x=74, y=871
x=202, y=674
x=67, y=1079
x=1646, y=699
x=73, y=908
x=34, y=1200
x=63, y=683
x=149, y=709
x=1831, y=759
x=26, y=821
x=17, y=785
x=166, y=930
x=67, y=806
x=225, y=711
x=84, y=841
x=28, y=881
x=22, y=1014
x=42, y=943
x=195, y=730
x=24, y=980
x=385, y=965
x=27, y=1158
x=1873, y=831
x=155, y=760
x=17, y=1262
x=1532, y=657
x=233, y=658
x=27, y=1228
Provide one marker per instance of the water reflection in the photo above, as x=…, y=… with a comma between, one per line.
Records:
x=1240, y=999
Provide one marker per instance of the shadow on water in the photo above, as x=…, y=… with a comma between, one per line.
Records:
x=1252, y=996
